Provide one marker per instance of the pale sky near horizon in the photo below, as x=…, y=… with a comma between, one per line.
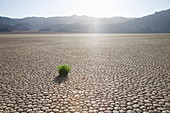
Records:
x=94, y=8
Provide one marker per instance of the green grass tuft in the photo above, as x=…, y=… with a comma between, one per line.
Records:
x=63, y=70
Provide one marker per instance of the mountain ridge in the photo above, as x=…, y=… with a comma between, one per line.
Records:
x=159, y=22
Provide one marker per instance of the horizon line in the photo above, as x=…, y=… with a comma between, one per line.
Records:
x=30, y=16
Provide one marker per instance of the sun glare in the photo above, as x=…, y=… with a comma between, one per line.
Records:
x=96, y=8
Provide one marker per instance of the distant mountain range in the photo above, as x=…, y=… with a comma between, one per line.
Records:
x=158, y=22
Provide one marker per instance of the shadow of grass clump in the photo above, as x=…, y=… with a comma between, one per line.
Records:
x=59, y=79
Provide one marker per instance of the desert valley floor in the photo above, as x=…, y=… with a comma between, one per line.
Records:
x=110, y=73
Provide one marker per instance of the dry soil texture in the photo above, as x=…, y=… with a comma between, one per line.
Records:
x=110, y=73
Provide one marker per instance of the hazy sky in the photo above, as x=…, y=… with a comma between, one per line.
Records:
x=95, y=8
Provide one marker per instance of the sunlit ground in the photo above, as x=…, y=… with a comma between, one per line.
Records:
x=109, y=73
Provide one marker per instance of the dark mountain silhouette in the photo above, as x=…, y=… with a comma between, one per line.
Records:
x=54, y=23
x=158, y=22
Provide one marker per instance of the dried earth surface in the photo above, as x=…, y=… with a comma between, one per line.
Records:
x=110, y=73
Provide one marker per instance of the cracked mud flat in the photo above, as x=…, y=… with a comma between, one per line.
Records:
x=111, y=73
